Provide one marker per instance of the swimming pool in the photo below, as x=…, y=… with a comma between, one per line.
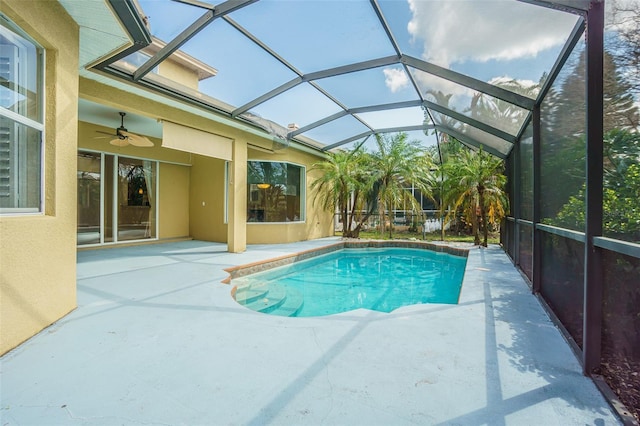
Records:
x=381, y=279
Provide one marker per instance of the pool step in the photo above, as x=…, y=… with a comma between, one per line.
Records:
x=251, y=292
x=291, y=306
x=274, y=297
x=270, y=298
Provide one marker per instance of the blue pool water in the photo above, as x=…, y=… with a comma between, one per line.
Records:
x=377, y=279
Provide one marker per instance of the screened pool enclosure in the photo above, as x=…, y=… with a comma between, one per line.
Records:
x=540, y=84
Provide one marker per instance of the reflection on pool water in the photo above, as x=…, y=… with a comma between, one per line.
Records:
x=381, y=279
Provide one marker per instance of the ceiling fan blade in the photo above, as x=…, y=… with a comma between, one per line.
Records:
x=120, y=142
x=105, y=133
x=137, y=140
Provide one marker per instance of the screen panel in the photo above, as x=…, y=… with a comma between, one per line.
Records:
x=562, y=281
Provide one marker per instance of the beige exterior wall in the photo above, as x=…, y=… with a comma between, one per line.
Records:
x=173, y=213
x=179, y=74
x=38, y=252
x=237, y=198
x=207, y=199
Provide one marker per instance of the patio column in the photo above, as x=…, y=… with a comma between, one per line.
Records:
x=237, y=198
x=536, y=281
x=593, y=274
x=516, y=171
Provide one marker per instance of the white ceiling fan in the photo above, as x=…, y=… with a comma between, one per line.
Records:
x=123, y=137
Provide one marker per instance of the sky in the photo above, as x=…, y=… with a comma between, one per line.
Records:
x=485, y=39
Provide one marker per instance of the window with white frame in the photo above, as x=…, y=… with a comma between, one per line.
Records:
x=21, y=120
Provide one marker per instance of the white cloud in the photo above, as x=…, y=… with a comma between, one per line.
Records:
x=470, y=30
x=505, y=79
x=395, y=79
x=436, y=83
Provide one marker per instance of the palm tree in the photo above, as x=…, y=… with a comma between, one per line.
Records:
x=447, y=150
x=476, y=183
x=397, y=163
x=346, y=184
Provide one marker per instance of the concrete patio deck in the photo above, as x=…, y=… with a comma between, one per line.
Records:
x=157, y=339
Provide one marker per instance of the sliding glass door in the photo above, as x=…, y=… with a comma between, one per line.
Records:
x=89, y=190
x=117, y=198
x=136, y=199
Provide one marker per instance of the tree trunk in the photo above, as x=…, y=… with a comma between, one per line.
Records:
x=474, y=225
x=350, y=214
x=483, y=216
x=442, y=221
x=366, y=217
x=344, y=213
x=346, y=232
x=390, y=212
x=346, y=220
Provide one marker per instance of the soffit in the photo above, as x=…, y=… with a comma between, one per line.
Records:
x=101, y=33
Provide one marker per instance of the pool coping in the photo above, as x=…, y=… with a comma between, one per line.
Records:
x=264, y=265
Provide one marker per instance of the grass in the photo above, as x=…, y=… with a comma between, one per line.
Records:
x=432, y=236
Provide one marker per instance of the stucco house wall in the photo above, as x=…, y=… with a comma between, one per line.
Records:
x=38, y=251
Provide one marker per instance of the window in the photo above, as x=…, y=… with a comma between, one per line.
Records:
x=275, y=192
x=21, y=121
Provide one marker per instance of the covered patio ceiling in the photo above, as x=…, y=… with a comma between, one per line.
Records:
x=338, y=72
